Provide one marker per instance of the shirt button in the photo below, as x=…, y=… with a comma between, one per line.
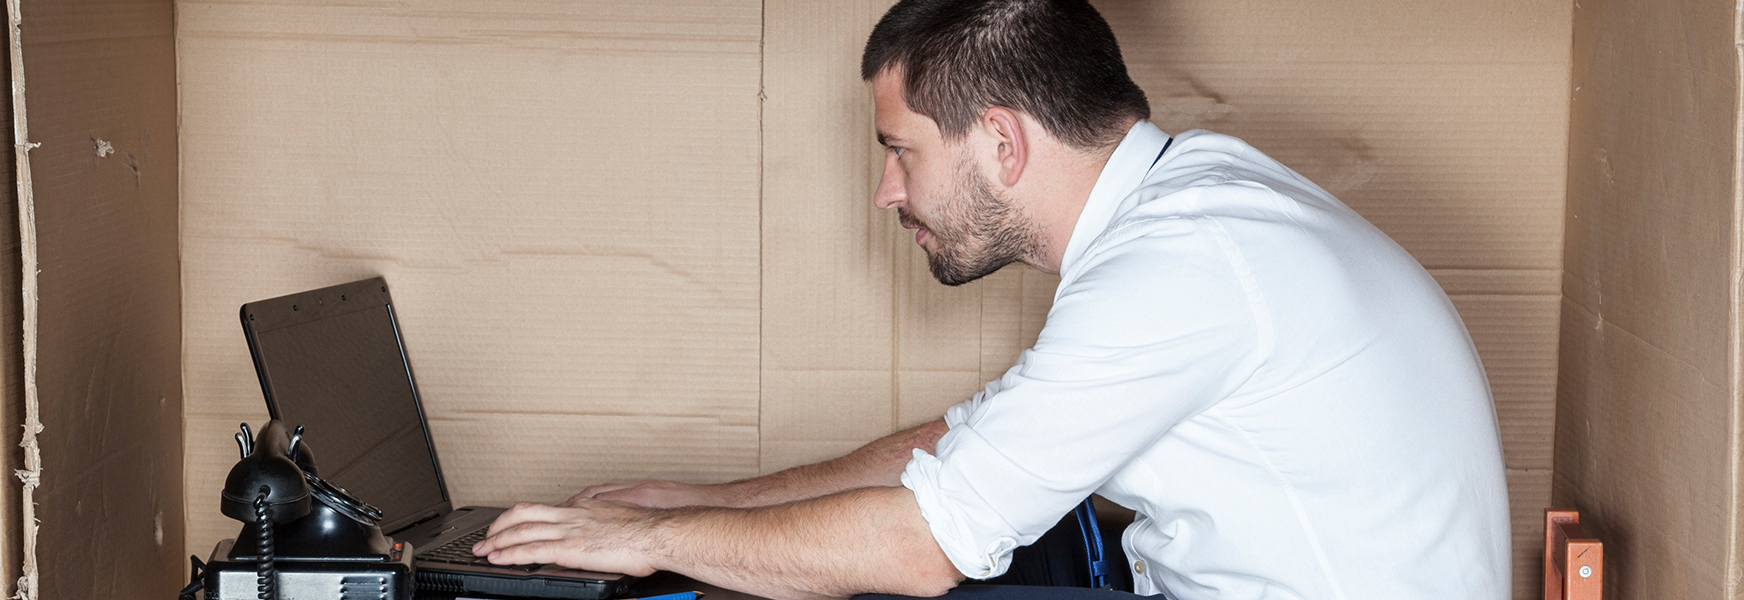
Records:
x=1138, y=567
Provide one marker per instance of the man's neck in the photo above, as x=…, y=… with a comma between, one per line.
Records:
x=1057, y=200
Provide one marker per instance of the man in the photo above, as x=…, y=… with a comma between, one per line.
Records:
x=1287, y=400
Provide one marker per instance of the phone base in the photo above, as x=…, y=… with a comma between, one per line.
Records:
x=391, y=579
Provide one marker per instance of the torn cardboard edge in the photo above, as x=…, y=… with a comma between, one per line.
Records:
x=31, y=474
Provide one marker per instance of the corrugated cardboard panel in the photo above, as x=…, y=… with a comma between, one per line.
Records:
x=1528, y=494
x=828, y=338
x=1014, y=307
x=1444, y=124
x=564, y=197
x=102, y=104
x=1646, y=393
x=957, y=339
x=1516, y=338
x=1641, y=451
x=473, y=445
x=938, y=334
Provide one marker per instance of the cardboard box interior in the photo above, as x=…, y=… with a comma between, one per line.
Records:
x=635, y=240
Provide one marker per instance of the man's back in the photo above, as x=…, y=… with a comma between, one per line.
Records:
x=1303, y=410
x=1369, y=423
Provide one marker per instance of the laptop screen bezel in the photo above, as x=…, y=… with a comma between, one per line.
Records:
x=313, y=305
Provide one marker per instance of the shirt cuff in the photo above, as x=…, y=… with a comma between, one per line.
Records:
x=958, y=414
x=954, y=534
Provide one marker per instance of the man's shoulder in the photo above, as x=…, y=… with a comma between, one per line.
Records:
x=1207, y=175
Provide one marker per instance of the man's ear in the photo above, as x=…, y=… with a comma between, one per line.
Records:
x=1006, y=128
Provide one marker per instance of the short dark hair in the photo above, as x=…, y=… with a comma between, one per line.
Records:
x=1053, y=59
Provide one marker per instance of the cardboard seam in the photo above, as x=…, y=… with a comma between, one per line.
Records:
x=1734, y=572
x=762, y=198
x=31, y=475
x=182, y=279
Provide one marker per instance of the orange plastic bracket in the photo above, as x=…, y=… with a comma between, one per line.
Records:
x=1574, y=564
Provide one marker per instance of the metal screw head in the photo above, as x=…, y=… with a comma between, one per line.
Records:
x=1586, y=571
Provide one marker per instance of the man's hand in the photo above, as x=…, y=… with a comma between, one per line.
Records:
x=656, y=494
x=585, y=534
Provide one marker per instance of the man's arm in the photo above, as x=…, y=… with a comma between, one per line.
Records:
x=879, y=463
x=859, y=541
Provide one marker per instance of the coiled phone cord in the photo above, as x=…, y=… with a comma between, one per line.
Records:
x=266, y=578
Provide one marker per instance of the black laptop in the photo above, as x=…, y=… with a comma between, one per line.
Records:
x=332, y=360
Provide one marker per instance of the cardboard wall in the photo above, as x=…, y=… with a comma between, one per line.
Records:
x=102, y=104
x=1646, y=441
x=563, y=197
x=635, y=239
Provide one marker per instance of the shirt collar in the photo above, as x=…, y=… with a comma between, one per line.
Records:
x=1126, y=169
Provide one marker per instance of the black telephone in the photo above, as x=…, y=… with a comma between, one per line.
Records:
x=300, y=535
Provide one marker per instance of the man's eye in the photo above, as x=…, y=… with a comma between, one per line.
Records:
x=898, y=150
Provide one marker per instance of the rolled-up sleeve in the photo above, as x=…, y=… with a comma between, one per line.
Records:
x=1160, y=322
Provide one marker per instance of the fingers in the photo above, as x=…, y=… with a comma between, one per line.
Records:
x=528, y=521
x=522, y=513
x=560, y=552
x=530, y=553
x=520, y=534
x=595, y=535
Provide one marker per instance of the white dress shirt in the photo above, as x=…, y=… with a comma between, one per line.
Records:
x=1285, y=397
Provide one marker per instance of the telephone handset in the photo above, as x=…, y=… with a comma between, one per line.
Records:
x=301, y=535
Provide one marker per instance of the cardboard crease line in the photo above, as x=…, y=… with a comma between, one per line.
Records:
x=762, y=198
x=1735, y=572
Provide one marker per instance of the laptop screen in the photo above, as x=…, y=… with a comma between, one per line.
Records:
x=337, y=368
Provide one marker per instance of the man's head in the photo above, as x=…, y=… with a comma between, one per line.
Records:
x=970, y=95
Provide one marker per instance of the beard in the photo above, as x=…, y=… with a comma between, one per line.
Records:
x=978, y=230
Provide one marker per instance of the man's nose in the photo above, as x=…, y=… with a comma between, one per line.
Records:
x=890, y=193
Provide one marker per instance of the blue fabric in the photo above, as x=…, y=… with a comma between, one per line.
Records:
x=1017, y=592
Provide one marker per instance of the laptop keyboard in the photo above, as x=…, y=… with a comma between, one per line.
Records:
x=459, y=551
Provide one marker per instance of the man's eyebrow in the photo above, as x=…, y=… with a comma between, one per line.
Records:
x=885, y=139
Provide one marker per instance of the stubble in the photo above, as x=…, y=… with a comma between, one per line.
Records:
x=978, y=230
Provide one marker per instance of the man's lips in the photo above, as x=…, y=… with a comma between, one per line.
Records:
x=909, y=222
